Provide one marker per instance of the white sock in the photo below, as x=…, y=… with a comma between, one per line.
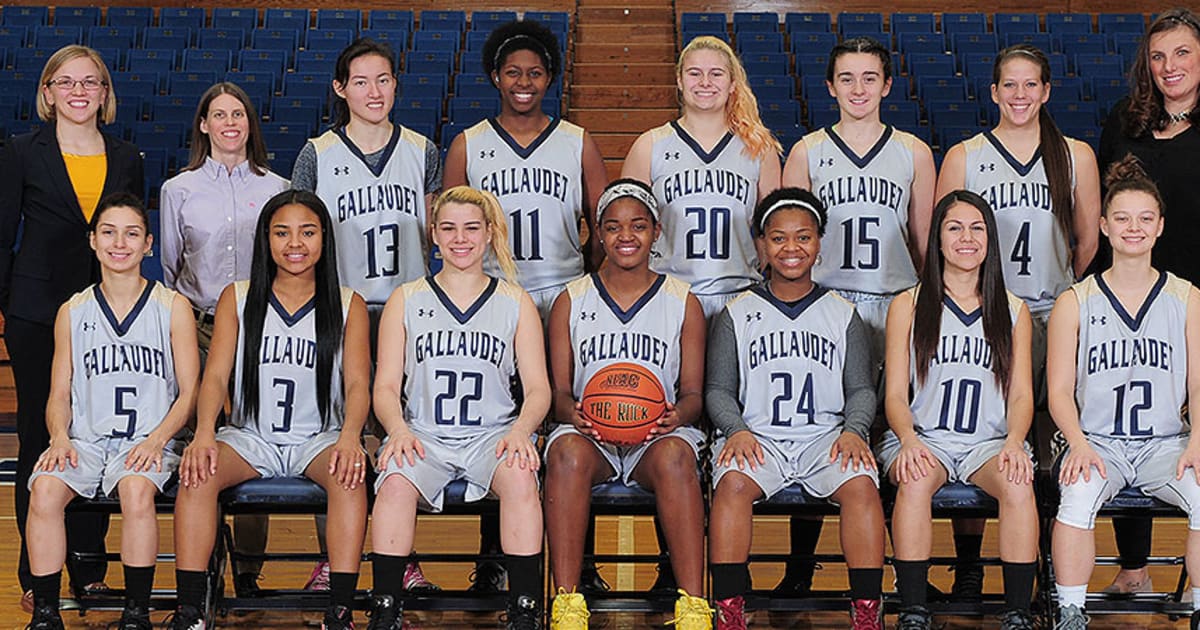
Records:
x=1071, y=595
x=1195, y=599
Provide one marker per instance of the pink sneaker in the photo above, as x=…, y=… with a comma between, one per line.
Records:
x=866, y=614
x=415, y=582
x=731, y=614
x=319, y=580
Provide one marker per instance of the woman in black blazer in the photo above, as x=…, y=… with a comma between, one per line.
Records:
x=50, y=182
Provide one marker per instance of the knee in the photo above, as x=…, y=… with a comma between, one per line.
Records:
x=859, y=492
x=1017, y=496
x=921, y=489
x=734, y=488
x=515, y=484
x=137, y=497
x=568, y=458
x=46, y=497
x=396, y=489
x=672, y=459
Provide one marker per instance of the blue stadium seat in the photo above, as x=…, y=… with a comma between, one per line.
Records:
x=812, y=43
x=954, y=23
x=807, y=23
x=295, y=20
x=424, y=121
x=297, y=110
x=436, y=41
x=822, y=112
x=487, y=21
x=1068, y=23
x=1099, y=65
x=279, y=39
x=182, y=17
x=779, y=84
x=191, y=84
x=903, y=114
x=155, y=134
x=424, y=103
x=1066, y=88
x=940, y=65
x=130, y=108
x=949, y=136
x=30, y=16
x=1005, y=23
x=1074, y=113
x=760, y=42
x=256, y=60
x=316, y=61
x=144, y=83
x=901, y=89
x=259, y=86
x=331, y=39
x=427, y=62
x=1109, y=23
x=469, y=110
x=397, y=38
x=10, y=46
x=204, y=60
x=920, y=43
x=1085, y=43
x=779, y=114
x=83, y=17
x=443, y=21
x=230, y=39
x=333, y=19
x=968, y=43
x=712, y=30
x=866, y=30
x=848, y=21
x=977, y=64
x=691, y=19
x=113, y=37
x=954, y=114
x=754, y=21
x=1044, y=42
x=812, y=64
x=390, y=20
x=57, y=36
x=171, y=108
x=243, y=19
x=557, y=21
x=424, y=84
x=814, y=87
x=315, y=85
x=766, y=63
x=475, y=41
x=32, y=59
x=913, y=23
x=17, y=33
x=167, y=37
x=113, y=57
x=1087, y=133
x=474, y=85
x=140, y=17
x=941, y=88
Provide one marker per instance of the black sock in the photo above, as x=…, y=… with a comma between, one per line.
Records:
x=1018, y=584
x=1133, y=540
x=524, y=576
x=139, y=581
x=805, y=533
x=911, y=576
x=341, y=589
x=489, y=534
x=190, y=586
x=729, y=579
x=967, y=547
x=46, y=589
x=388, y=573
x=866, y=583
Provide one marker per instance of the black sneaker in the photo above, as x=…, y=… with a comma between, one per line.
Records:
x=488, y=577
x=246, y=584
x=797, y=579
x=590, y=582
x=914, y=618
x=386, y=613
x=1195, y=625
x=45, y=618
x=968, y=583
x=338, y=617
x=187, y=618
x=135, y=618
x=523, y=613
x=1016, y=620
x=664, y=584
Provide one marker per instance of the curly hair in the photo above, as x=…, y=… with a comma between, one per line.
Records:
x=522, y=35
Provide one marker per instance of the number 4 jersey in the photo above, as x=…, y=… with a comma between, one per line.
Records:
x=1131, y=369
x=122, y=372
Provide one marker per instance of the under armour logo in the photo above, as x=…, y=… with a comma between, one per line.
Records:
x=990, y=166
x=88, y=326
x=757, y=315
x=1098, y=319
x=587, y=317
x=671, y=155
x=341, y=170
x=824, y=162
x=424, y=312
x=490, y=153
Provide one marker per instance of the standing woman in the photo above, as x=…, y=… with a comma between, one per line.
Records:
x=295, y=344
x=708, y=169
x=1159, y=124
x=959, y=401
x=51, y=181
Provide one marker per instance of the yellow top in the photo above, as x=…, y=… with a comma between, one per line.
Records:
x=87, y=173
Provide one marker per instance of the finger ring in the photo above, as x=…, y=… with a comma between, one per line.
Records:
x=358, y=464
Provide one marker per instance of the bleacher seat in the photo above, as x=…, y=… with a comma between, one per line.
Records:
x=857, y=22
x=947, y=137
x=969, y=43
x=865, y=30
x=954, y=114
x=912, y=23
x=754, y=21
x=1066, y=88
x=30, y=16
x=397, y=38
x=760, y=42
x=328, y=39
x=777, y=114
x=125, y=37
x=131, y=108
x=812, y=65
x=424, y=84
x=333, y=19
x=473, y=84
x=1044, y=42
x=977, y=64
x=245, y=20
x=689, y=20
x=1085, y=43
x=144, y=83
x=1068, y=23
x=443, y=20
x=309, y=61
x=280, y=39
x=1093, y=66
x=315, y=85
x=711, y=30
x=167, y=37
x=191, y=84
x=203, y=60
x=297, y=110
x=766, y=63
x=487, y=21
x=82, y=17
x=170, y=108
x=1005, y=23
x=806, y=23
x=428, y=62
x=812, y=42
x=32, y=59
x=57, y=36
x=902, y=114
x=272, y=61
x=154, y=134
x=17, y=33
x=939, y=65
x=1109, y=23
x=954, y=23
x=390, y=20
x=556, y=21
x=471, y=110
x=941, y=88
x=139, y=17
x=1074, y=113
x=230, y=39
x=822, y=112
x=182, y=17
x=436, y=41
x=295, y=20
x=259, y=86
x=920, y=43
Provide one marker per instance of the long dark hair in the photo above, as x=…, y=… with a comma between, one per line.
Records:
x=530, y=35
x=927, y=315
x=256, y=149
x=1056, y=156
x=328, y=300
x=341, y=72
x=1145, y=113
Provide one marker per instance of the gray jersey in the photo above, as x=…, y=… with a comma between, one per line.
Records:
x=288, y=413
x=790, y=361
x=540, y=188
x=122, y=372
x=706, y=202
x=865, y=247
x=647, y=334
x=378, y=213
x=1131, y=369
x=1037, y=259
x=459, y=366
x=960, y=402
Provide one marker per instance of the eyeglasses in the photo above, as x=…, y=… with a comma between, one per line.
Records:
x=66, y=84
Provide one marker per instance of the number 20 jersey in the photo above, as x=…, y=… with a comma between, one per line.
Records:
x=1131, y=369
x=288, y=413
x=459, y=366
x=122, y=372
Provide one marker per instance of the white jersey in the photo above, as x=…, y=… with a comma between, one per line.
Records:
x=647, y=334
x=378, y=213
x=865, y=247
x=540, y=188
x=1037, y=258
x=122, y=372
x=459, y=366
x=1131, y=369
x=706, y=201
x=960, y=402
x=288, y=412
x=790, y=362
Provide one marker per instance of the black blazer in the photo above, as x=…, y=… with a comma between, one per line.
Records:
x=54, y=260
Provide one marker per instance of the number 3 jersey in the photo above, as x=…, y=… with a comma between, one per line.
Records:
x=1037, y=259
x=287, y=372
x=706, y=201
x=865, y=247
x=1131, y=369
x=122, y=372
x=540, y=188
x=960, y=401
x=790, y=362
x=459, y=366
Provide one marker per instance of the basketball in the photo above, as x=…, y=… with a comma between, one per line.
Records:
x=623, y=401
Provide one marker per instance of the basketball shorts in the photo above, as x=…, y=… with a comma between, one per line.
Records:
x=788, y=462
x=624, y=459
x=101, y=466
x=275, y=460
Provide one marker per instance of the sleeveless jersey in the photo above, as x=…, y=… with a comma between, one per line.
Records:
x=1037, y=259
x=540, y=188
x=378, y=214
x=647, y=334
x=960, y=403
x=790, y=362
x=865, y=247
x=288, y=413
x=1131, y=369
x=706, y=200
x=459, y=366
x=122, y=372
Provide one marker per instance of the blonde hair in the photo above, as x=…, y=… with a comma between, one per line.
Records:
x=108, y=108
x=493, y=215
x=741, y=110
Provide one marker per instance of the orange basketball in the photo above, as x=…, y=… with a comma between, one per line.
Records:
x=623, y=401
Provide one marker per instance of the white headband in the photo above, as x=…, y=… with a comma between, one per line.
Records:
x=789, y=203
x=627, y=190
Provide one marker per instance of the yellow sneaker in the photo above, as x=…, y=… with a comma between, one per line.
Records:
x=569, y=611
x=692, y=613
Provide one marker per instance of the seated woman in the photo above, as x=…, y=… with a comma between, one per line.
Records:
x=960, y=343
x=792, y=417
x=128, y=340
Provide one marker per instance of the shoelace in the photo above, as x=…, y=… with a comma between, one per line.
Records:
x=732, y=613
x=695, y=610
x=868, y=616
x=571, y=609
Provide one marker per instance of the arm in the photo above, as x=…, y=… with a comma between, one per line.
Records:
x=722, y=389
x=689, y=401
x=304, y=172
x=795, y=171
x=920, y=202
x=1191, y=456
x=12, y=192
x=769, y=174
x=200, y=457
x=58, y=407
x=858, y=412
x=171, y=232
x=562, y=368
x=1087, y=206
x=147, y=454
x=914, y=461
x=1014, y=461
x=1062, y=345
x=595, y=178
x=389, y=387
x=455, y=172
x=637, y=163
x=530, y=351
x=346, y=462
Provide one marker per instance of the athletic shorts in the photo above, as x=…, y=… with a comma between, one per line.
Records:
x=472, y=459
x=543, y=299
x=624, y=459
x=712, y=304
x=872, y=309
x=101, y=466
x=1148, y=465
x=275, y=460
x=787, y=462
x=959, y=464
